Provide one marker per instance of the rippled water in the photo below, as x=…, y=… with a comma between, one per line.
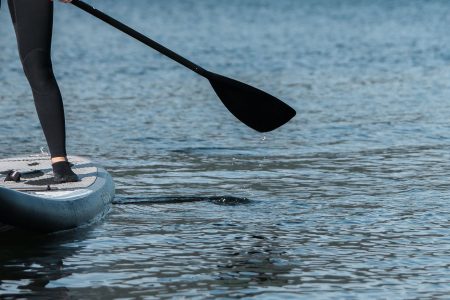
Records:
x=349, y=200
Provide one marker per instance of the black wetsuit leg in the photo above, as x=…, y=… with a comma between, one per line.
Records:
x=33, y=22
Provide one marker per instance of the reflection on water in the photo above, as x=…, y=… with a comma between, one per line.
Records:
x=349, y=200
x=29, y=262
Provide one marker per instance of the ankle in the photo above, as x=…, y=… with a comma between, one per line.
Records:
x=58, y=159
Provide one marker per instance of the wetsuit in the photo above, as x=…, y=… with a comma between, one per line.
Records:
x=33, y=22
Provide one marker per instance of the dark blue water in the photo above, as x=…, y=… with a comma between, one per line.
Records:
x=349, y=200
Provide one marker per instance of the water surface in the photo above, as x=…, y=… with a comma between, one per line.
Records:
x=349, y=200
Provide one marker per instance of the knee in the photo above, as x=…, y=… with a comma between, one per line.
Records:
x=37, y=66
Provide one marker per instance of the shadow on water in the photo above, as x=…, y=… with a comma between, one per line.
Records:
x=35, y=259
x=218, y=200
x=261, y=263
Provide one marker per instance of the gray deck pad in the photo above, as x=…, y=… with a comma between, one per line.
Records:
x=37, y=173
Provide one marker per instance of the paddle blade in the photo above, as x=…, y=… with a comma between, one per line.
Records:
x=253, y=107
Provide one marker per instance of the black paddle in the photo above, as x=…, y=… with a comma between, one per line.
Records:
x=253, y=107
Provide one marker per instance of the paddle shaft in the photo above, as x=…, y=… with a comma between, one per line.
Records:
x=140, y=37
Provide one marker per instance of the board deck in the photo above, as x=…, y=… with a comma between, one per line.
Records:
x=37, y=173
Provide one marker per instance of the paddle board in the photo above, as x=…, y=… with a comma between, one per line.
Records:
x=36, y=203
